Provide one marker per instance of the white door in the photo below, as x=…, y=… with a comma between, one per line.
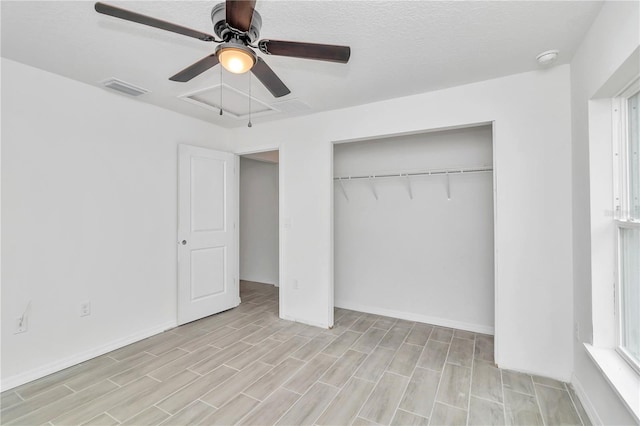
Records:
x=207, y=236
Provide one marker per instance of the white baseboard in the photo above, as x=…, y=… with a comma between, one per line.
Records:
x=519, y=369
x=410, y=316
x=39, y=372
x=311, y=323
x=586, y=402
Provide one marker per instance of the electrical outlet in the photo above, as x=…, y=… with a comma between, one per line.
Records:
x=22, y=325
x=85, y=309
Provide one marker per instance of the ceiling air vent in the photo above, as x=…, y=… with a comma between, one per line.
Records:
x=122, y=87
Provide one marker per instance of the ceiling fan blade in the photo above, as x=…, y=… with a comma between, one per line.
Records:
x=269, y=78
x=127, y=15
x=196, y=69
x=321, y=52
x=239, y=13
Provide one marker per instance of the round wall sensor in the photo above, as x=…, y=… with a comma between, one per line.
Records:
x=548, y=57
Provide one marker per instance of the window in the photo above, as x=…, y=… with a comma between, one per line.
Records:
x=626, y=111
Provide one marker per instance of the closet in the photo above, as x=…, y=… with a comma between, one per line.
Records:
x=413, y=224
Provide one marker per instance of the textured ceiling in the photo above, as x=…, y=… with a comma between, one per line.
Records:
x=399, y=48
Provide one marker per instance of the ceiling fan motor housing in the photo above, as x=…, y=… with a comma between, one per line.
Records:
x=222, y=30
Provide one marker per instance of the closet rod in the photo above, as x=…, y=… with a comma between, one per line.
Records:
x=424, y=173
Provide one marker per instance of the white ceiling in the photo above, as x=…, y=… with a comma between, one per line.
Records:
x=398, y=48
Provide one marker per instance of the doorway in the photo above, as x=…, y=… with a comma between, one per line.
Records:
x=259, y=223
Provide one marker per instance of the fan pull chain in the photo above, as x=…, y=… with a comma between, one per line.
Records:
x=249, y=125
x=221, y=87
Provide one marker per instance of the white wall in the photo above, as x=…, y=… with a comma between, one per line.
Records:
x=113, y=222
x=89, y=213
x=427, y=258
x=259, y=221
x=614, y=35
x=532, y=157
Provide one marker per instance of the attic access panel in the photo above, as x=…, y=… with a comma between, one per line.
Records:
x=234, y=103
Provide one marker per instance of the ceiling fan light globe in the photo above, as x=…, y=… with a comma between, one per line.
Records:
x=235, y=60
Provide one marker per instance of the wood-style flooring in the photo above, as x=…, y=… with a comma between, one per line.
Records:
x=247, y=366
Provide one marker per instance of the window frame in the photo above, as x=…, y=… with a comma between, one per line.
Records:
x=622, y=203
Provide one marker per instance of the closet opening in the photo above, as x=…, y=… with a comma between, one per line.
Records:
x=414, y=228
x=259, y=244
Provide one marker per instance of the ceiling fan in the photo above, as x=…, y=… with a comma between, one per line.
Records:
x=237, y=25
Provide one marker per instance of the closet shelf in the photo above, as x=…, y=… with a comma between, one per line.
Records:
x=408, y=175
x=419, y=173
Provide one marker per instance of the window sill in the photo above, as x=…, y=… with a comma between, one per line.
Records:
x=620, y=375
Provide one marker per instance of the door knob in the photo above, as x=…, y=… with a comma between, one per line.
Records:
x=183, y=242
